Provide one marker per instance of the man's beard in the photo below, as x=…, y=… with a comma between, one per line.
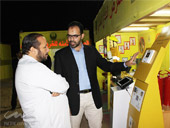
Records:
x=40, y=56
x=76, y=44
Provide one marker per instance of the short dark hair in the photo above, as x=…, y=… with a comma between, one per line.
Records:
x=78, y=24
x=30, y=41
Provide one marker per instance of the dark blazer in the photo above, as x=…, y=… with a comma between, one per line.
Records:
x=65, y=65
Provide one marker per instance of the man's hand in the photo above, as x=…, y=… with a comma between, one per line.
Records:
x=132, y=61
x=55, y=94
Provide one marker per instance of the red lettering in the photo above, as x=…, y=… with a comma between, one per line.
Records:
x=113, y=8
x=86, y=42
x=106, y=14
x=118, y=3
x=56, y=42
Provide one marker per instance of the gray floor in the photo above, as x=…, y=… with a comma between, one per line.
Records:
x=13, y=119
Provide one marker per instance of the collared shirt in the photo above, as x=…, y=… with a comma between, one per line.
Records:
x=34, y=82
x=84, y=82
x=124, y=64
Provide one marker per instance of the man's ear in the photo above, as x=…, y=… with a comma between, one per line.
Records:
x=82, y=36
x=33, y=51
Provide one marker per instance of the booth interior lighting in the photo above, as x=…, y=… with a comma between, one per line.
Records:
x=135, y=29
x=162, y=13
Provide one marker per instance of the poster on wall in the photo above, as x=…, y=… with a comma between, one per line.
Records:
x=126, y=45
x=55, y=39
x=137, y=97
x=121, y=49
x=101, y=49
x=118, y=38
x=132, y=40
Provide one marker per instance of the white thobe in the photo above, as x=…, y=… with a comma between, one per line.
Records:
x=34, y=82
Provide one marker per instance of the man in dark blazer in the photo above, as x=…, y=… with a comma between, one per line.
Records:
x=78, y=64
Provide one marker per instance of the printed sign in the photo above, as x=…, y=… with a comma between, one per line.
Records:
x=137, y=98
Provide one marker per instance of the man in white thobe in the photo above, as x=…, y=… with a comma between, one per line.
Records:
x=41, y=92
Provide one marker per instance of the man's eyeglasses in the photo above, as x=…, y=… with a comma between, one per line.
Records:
x=72, y=36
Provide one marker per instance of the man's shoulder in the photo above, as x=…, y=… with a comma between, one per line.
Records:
x=62, y=50
x=89, y=48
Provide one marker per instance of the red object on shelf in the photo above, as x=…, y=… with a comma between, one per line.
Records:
x=167, y=90
x=161, y=86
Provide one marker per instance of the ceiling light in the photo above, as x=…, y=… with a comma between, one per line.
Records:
x=143, y=25
x=166, y=30
x=135, y=29
x=162, y=13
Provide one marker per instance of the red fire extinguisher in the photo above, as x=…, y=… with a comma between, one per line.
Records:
x=167, y=90
x=161, y=86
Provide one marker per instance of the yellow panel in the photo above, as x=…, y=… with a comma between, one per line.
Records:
x=5, y=62
x=150, y=114
x=146, y=71
x=6, y=72
x=133, y=112
x=5, y=52
x=112, y=17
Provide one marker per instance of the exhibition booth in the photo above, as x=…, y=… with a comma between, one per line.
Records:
x=144, y=27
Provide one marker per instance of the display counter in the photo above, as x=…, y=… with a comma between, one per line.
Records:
x=119, y=102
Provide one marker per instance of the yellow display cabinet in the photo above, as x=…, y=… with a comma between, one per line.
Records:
x=145, y=109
